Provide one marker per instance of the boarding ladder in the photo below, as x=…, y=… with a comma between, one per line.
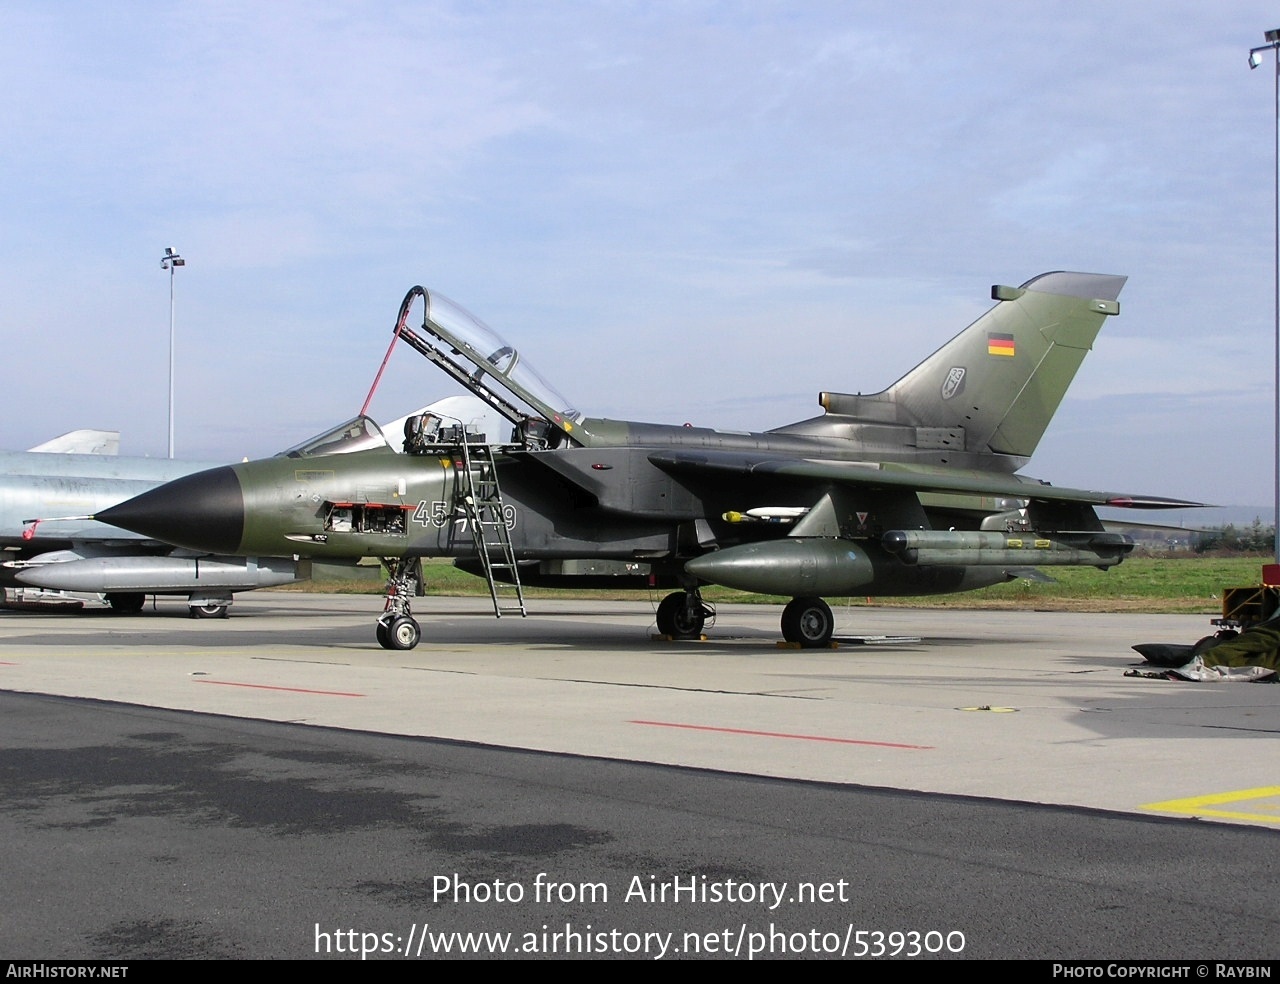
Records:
x=479, y=498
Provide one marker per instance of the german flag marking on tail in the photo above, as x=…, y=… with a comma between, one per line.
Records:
x=999, y=343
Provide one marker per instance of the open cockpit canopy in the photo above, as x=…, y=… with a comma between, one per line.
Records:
x=489, y=358
x=480, y=360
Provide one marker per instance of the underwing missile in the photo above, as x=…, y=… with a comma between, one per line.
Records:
x=976, y=549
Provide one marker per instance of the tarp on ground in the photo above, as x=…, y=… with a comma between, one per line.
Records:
x=1253, y=655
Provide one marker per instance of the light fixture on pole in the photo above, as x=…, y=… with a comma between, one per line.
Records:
x=1255, y=59
x=171, y=261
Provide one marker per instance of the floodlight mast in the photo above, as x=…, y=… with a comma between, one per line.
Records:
x=171, y=261
x=1255, y=59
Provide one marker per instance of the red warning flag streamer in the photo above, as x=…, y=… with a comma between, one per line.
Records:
x=395, y=337
x=30, y=534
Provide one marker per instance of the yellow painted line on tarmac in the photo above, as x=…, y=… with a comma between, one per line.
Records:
x=1265, y=798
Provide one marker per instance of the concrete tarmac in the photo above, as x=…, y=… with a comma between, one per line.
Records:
x=1018, y=706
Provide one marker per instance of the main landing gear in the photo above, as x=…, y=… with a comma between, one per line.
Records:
x=682, y=614
x=397, y=629
x=808, y=622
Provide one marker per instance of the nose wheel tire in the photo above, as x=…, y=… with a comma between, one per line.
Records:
x=208, y=611
x=679, y=619
x=401, y=632
x=808, y=622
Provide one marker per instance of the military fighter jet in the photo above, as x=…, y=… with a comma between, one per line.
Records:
x=913, y=490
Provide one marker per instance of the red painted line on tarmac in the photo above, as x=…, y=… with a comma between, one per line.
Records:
x=292, y=690
x=3, y=663
x=778, y=734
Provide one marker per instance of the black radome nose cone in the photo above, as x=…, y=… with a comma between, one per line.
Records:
x=204, y=511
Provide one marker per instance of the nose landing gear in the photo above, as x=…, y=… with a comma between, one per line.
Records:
x=397, y=628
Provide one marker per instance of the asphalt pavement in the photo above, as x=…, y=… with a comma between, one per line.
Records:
x=940, y=784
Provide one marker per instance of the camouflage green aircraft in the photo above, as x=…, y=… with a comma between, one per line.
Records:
x=910, y=491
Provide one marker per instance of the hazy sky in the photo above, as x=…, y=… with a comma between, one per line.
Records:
x=688, y=211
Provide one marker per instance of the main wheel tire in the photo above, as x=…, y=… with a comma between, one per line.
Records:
x=808, y=622
x=677, y=619
x=403, y=633
x=208, y=611
x=127, y=603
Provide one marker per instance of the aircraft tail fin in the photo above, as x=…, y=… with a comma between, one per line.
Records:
x=995, y=386
x=84, y=441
